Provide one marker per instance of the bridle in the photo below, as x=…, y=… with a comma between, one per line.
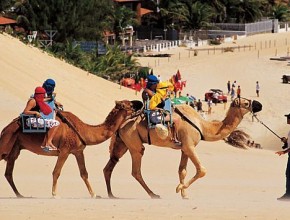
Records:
x=237, y=103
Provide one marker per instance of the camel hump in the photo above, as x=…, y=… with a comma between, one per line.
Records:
x=188, y=111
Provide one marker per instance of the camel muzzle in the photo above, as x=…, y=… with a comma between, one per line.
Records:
x=256, y=106
x=137, y=105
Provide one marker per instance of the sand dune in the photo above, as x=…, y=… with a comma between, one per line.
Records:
x=240, y=184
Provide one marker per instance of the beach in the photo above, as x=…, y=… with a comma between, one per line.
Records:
x=239, y=184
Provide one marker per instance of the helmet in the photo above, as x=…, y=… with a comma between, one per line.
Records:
x=49, y=85
x=152, y=80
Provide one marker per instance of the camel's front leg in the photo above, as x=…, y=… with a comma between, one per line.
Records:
x=62, y=157
x=200, y=170
x=84, y=173
x=182, y=174
x=13, y=155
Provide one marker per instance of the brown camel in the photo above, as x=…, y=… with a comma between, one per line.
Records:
x=72, y=137
x=191, y=129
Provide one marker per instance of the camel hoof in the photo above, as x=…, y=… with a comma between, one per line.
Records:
x=154, y=196
x=95, y=196
x=111, y=196
x=20, y=196
x=179, y=187
x=56, y=197
x=183, y=194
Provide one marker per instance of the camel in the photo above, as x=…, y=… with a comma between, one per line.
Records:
x=72, y=137
x=191, y=129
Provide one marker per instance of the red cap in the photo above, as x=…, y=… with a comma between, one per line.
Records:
x=39, y=90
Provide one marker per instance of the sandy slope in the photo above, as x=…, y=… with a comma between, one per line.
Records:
x=240, y=184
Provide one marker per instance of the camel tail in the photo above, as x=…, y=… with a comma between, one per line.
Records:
x=8, y=137
x=7, y=126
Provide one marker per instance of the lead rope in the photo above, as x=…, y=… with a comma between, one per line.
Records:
x=254, y=115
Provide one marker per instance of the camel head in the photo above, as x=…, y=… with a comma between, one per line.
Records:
x=129, y=106
x=247, y=104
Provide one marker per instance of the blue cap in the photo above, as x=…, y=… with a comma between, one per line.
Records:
x=152, y=80
x=49, y=85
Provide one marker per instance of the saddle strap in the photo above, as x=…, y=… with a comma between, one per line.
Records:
x=183, y=117
x=65, y=120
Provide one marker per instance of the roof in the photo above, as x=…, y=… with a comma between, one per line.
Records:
x=4, y=21
x=145, y=11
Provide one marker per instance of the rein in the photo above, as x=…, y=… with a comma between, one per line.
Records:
x=65, y=120
x=266, y=126
x=188, y=121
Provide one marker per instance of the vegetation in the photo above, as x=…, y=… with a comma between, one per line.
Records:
x=88, y=20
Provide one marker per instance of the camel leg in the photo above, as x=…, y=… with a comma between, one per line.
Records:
x=14, y=153
x=136, y=172
x=182, y=173
x=200, y=170
x=83, y=171
x=62, y=157
x=118, y=151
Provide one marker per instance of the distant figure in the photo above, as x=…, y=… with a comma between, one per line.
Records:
x=239, y=92
x=187, y=96
x=159, y=78
x=234, y=84
x=229, y=87
x=215, y=98
x=233, y=94
x=257, y=88
x=209, y=105
x=199, y=106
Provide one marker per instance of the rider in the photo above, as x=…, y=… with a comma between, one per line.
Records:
x=49, y=86
x=35, y=106
x=157, y=102
x=150, y=89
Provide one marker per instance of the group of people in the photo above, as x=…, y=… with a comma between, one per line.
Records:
x=42, y=105
x=233, y=91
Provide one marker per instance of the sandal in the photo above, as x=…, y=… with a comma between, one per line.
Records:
x=48, y=148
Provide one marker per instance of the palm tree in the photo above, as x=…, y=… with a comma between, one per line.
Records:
x=194, y=15
x=115, y=63
x=281, y=12
x=120, y=18
x=245, y=10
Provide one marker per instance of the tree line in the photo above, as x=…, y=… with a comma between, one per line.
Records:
x=87, y=20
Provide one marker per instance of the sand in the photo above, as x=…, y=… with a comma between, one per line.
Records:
x=240, y=184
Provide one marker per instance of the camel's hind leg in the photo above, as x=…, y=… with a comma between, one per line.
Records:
x=14, y=153
x=118, y=150
x=182, y=173
x=83, y=171
x=200, y=170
